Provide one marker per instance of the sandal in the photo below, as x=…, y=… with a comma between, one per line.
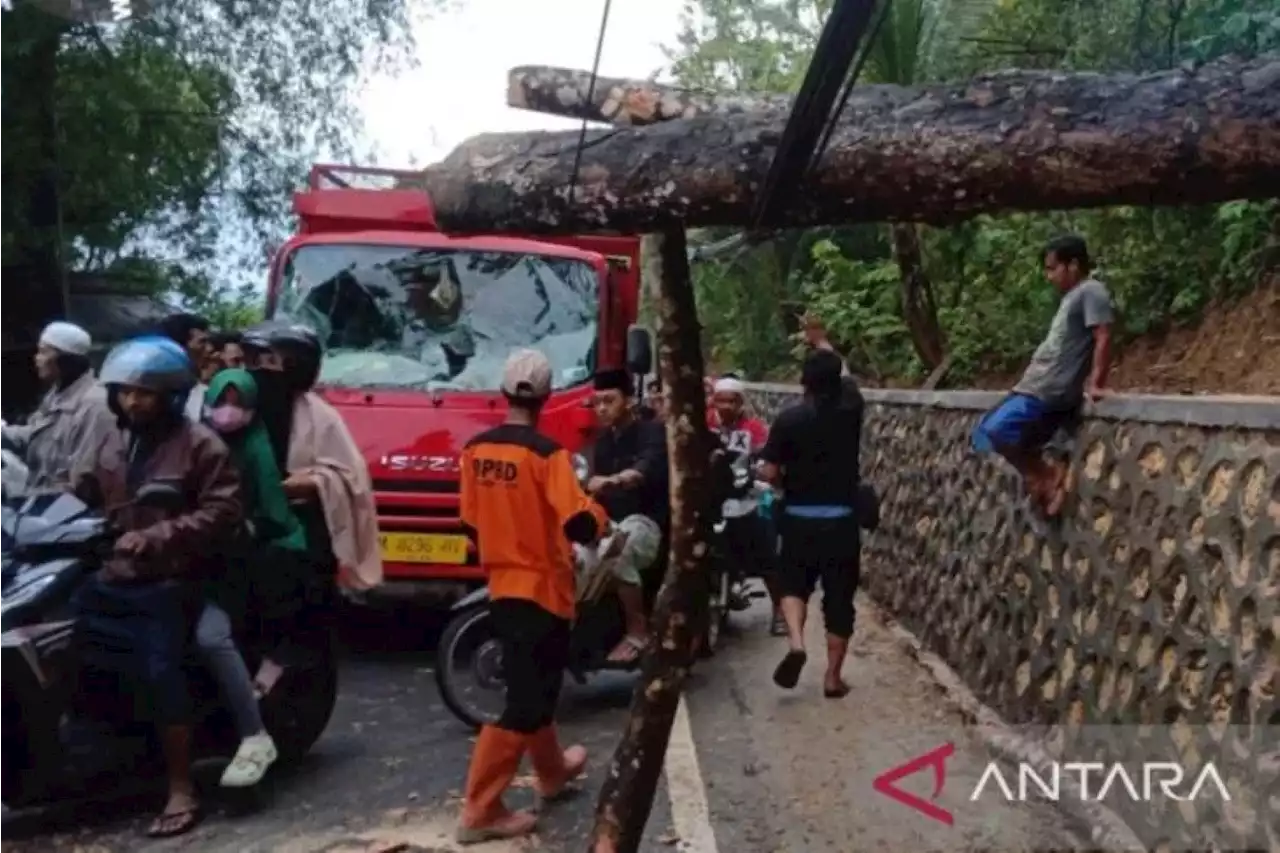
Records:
x=838, y=692
x=787, y=675
x=173, y=824
x=629, y=650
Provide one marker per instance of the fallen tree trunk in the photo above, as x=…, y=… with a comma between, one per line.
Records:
x=627, y=795
x=619, y=101
x=1009, y=141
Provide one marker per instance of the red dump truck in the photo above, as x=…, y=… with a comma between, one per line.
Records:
x=417, y=324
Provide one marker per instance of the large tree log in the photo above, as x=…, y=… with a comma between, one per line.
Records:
x=623, y=102
x=627, y=795
x=1009, y=141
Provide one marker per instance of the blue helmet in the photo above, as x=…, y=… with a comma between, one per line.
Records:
x=152, y=362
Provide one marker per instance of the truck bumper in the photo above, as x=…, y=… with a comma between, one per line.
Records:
x=420, y=584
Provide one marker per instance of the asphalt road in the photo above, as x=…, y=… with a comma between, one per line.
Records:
x=750, y=769
x=389, y=770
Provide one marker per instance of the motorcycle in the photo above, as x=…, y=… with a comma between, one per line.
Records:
x=52, y=749
x=468, y=644
x=729, y=578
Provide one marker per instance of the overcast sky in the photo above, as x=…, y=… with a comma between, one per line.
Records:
x=460, y=86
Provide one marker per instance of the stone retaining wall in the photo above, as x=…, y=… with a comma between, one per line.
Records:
x=1155, y=599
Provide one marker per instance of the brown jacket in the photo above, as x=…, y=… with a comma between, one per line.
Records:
x=193, y=460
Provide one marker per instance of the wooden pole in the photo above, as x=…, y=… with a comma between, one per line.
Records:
x=627, y=796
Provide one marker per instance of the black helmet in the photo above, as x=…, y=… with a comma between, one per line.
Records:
x=297, y=345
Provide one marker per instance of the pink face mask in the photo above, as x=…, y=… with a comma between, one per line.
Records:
x=227, y=418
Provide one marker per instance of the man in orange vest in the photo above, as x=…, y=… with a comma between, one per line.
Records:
x=523, y=505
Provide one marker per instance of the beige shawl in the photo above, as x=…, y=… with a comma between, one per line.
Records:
x=321, y=447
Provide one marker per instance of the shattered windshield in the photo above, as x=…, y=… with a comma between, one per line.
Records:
x=433, y=319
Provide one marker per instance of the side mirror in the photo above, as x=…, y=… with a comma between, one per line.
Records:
x=639, y=350
x=161, y=496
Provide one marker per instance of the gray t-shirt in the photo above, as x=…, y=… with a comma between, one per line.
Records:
x=1061, y=364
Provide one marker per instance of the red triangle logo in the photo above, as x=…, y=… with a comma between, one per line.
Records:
x=886, y=782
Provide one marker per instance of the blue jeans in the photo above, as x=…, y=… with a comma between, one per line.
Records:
x=220, y=655
x=133, y=636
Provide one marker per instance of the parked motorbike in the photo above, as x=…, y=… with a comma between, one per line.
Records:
x=730, y=592
x=52, y=546
x=469, y=657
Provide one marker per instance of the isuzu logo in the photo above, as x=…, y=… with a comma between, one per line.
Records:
x=414, y=462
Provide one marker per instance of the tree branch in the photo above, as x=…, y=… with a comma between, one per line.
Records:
x=1008, y=141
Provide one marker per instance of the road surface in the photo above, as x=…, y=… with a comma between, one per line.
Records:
x=751, y=769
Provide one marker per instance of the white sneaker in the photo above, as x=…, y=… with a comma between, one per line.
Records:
x=255, y=755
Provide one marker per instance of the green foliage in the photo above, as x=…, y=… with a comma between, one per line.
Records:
x=177, y=139
x=1164, y=266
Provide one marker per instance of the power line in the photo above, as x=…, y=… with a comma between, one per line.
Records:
x=841, y=35
x=849, y=84
x=591, y=91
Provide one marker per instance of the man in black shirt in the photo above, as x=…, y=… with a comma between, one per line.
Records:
x=629, y=479
x=812, y=452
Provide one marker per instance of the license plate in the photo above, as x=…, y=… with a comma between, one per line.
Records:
x=423, y=548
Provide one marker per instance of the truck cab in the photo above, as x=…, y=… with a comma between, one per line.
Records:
x=417, y=325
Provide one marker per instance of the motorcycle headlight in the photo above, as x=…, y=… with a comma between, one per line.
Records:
x=581, y=468
x=26, y=592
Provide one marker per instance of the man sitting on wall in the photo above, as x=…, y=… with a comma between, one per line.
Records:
x=1070, y=364
x=629, y=479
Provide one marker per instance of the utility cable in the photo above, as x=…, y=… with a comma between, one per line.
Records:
x=838, y=43
x=849, y=84
x=591, y=92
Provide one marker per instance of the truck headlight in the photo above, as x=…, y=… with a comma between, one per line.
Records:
x=581, y=468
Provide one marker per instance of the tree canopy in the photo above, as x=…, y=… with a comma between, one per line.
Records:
x=163, y=150
x=902, y=300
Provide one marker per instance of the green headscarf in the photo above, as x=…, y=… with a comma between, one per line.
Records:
x=265, y=501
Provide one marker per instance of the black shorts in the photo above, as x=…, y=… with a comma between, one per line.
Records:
x=826, y=550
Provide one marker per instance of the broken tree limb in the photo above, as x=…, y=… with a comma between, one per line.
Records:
x=619, y=101
x=627, y=796
x=1009, y=141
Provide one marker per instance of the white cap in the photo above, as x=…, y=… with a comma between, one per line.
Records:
x=66, y=337
x=527, y=375
x=729, y=386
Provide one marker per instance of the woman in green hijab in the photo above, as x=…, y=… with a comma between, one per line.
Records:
x=230, y=407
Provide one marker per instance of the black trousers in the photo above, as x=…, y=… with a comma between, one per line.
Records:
x=535, y=652
x=826, y=550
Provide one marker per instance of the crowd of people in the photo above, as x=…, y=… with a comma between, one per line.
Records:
x=276, y=501
x=808, y=535
x=233, y=420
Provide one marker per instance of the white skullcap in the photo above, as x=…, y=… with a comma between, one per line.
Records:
x=729, y=386
x=66, y=337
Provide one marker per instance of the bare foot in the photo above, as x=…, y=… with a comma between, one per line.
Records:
x=629, y=649
x=1057, y=496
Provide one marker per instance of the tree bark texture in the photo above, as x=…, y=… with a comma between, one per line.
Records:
x=919, y=307
x=1009, y=141
x=627, y=796
x=563, y=92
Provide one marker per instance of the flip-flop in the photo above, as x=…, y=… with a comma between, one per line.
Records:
x=173, y=824
x=636, y=644
x=836, y=692
x=787, y=675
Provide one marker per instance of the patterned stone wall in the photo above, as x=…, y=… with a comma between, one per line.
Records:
x=1155, y=599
